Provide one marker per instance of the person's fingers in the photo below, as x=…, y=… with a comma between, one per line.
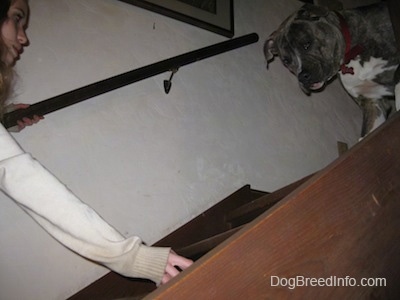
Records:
x=171, y=270
x=179, y=261
x=27, y=121
x=186, y=263
x=166, y=278
x=174, y=261
x=37, y=118
x=19, y=106
x=21, y=125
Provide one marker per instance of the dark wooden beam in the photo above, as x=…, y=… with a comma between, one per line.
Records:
x=344, y=221
x=81, y=94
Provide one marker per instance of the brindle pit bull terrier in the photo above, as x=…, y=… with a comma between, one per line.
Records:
x=316, y=44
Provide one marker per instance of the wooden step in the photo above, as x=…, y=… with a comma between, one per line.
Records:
x=342, y=224
x=212, y=221
x=195, y=238
x=196, y=250
x=253, y=209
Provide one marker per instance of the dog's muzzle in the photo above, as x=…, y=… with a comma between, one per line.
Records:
x=307, y=82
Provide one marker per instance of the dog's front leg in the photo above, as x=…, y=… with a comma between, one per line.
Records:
x=373, y=117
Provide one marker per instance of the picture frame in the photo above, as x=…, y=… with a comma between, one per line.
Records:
x=213, y=15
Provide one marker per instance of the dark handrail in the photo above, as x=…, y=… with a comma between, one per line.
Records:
x=75, y=96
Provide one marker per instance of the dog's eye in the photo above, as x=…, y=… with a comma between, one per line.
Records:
x=306, y=45
x=285, y=60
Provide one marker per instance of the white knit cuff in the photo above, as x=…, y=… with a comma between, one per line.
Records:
x=151, y=262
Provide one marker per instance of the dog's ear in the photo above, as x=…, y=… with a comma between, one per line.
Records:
x=270, y=47
x=311, y=12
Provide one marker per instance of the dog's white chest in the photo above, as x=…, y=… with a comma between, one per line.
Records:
x=362, y=81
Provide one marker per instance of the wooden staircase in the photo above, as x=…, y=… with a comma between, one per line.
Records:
x=215, y=225
x=341, y=222
x=194, y=239
x=344, y=220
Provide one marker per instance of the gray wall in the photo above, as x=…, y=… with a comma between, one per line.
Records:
x=146, y=161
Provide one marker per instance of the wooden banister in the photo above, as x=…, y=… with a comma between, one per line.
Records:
x=343, y=222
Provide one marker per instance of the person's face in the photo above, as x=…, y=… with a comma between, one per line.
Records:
x=13, y=31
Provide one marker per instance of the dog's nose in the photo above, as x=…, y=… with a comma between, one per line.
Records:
x=304, y=77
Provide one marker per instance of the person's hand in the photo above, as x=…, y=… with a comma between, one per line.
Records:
x=174, y=260
x=21, y=124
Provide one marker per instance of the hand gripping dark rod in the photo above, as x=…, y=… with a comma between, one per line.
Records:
x=75, y=96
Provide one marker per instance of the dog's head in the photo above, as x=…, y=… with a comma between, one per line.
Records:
x=309, y=44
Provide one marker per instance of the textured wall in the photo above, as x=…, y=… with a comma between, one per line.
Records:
x=146, y=161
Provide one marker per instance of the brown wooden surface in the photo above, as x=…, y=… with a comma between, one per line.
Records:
x=204, y=232
x=210, y=222
x=249, y=211
x=345, y=221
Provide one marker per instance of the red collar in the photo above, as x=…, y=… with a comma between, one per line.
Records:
x=350, y=53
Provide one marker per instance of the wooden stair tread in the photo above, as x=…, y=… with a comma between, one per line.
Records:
x=211, y=229
x=344, y=221
x=249, y=211
x=201, y=247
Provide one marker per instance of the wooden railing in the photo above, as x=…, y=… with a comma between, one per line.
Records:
x=343, y=224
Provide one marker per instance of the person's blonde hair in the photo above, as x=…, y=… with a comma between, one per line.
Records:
x=6, y=72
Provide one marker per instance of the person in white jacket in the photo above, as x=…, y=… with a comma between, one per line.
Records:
x=50, y=203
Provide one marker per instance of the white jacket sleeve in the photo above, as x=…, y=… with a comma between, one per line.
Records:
x=71, y=221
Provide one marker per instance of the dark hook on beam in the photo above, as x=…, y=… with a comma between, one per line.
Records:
x=168, y=83
x=75, y=96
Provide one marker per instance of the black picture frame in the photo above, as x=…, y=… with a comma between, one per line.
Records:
x=217, y=17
